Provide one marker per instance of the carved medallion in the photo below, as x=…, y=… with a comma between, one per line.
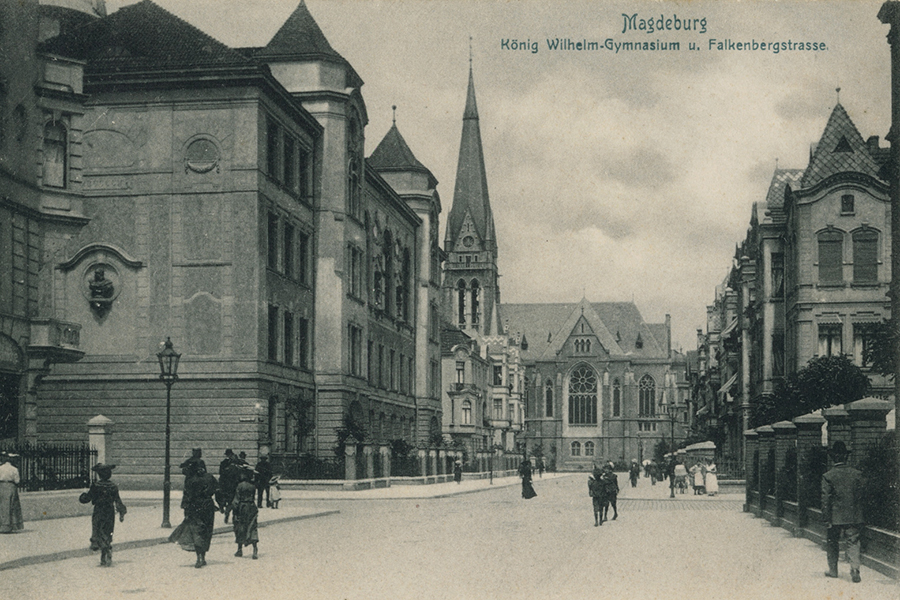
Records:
x=101, y=286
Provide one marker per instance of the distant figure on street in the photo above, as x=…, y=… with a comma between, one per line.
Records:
x=681, y=476
x=10, y=508
x=246, y=515
x=195, y=532
x=263, y=475
x=597, y=492
x=654, y=472
x=634, y=472
x=540, y=465
x=229, y=473
x=712, y=479
x=697, y=479
x=611, y=489
x=457, y=471
x=275, y=486
x=525, y=473
x=842, y=494
x=104, y=495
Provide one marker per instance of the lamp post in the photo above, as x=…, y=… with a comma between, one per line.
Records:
x=168, y=372
x=671, y=409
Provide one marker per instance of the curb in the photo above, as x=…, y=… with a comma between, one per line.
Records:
x=155, y=541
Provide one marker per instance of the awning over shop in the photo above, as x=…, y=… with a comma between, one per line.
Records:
x=725, y=390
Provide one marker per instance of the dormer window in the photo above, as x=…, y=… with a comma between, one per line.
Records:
x=847, y=204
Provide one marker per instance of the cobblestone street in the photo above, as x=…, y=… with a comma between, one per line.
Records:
x=487, y=544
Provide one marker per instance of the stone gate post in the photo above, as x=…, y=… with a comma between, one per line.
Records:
x=809, y=437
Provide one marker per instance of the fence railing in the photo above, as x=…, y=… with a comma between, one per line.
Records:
x=52, y=466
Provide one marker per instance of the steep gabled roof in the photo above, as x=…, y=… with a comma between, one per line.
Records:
x=393, y=154
x=142, y=36
x=301, y=39
x=470, y=195
x=780, y=179
x=840, y=149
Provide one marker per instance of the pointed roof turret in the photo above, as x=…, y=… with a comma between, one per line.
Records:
x=300, y=38
x=393, y=154
x=840, y=149
x=470, y=196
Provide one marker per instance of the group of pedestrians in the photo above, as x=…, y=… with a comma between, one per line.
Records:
x=603, y=488
x=704, y=478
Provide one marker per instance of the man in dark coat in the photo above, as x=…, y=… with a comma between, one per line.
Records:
x=228, y=480
x=611, y=488
x=597, y=492
x=263, y=476
x=842, y=494
x=634, y=472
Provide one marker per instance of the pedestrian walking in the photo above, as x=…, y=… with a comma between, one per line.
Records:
x=104, y=495
x=228, y=480
x=611, y=489
x=681, y=477
x=457, y=471
x=697, y=479
x=195, y=532
x=540, y=465
x=654, y=472
x=10, y=508
x=246, y=514
x=263, y=475
x=634, y=472
x=275, y=486
x=525, y=473
x=712, y=479
x=842, y=495
x=597, y=492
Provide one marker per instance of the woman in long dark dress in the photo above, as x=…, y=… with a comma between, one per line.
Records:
x=525, y=473
x=104, y=495
x=195, y=533
x=246, y=513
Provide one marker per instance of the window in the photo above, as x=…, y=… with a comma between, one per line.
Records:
x=831, y=244
x=498, y=408
x=460, y=372
x=272, y=131
x=303, y=257
x=303, y=173
x=381, y=365
x=392, y=372
x=435, y=322
x=55, y=157
x=272, y=255
x=647, y=396
x=646, y=426
x=370, y=362
x=777, y=275
x=288, y=338
x=548, y=398
x=617, y=398
x=288, y=164
x=288, y=250
x=847, y=204
x=355, y=339
x=830, y=339
x=353, y=190
x=589, y=448
x=461, y=302
x=576, y=448
x=862, y=339
x=778, y=354
x=466, y=413
x=476, y=292
x=865, y=256
x=435, y=379
x=583, y=397
x=303, y=343
x=273, y=332
x=409, y=374
x=356, y=272
x=498, y=375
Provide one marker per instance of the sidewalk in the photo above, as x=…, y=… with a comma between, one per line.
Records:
x=68, y=537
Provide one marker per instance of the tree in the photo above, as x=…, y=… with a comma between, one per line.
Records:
x=349, y=429
x=824, y=381
x=879, y=350
x=300, y=409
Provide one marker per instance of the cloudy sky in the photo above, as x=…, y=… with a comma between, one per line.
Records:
x=612, y=175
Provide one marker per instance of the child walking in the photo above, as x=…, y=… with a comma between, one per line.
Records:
x=275, y=487
x=245, y=511
x=104, y=495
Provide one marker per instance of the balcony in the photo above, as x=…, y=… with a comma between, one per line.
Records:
x=463, y=387
x=55, y=341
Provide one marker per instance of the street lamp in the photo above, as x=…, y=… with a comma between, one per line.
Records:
x=672, y=410
x=168, y=372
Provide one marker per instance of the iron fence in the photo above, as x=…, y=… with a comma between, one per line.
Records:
x=293, y=466
x=52, y=466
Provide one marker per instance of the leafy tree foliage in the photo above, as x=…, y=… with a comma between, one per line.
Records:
x=824, y=381
x=879, y=352
x=300, y=409
x=350, y=428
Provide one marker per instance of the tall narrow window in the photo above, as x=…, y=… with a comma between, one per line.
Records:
x=831, y=244
x=272, y=148
x=466, y=413
x=865, y=256
x=461, y=302
x=460, y=372
x=370, y=362
x=863, y=334
x=647, y=396
x=583, y=397
x=576, y=448
x=847, y=204
x=288, y=338
x=272, y=254
x=778, y=354
x=392, y=370
x=589, y=448
x=498, y=375
x=777, y=275
x=476, y=292
x=548, y=398
x=830, y=343
x=303, y=343
x=303, y=173
x=273, y=332
x=288, y=164
x=498, y=408
x=380, y=365
x=55, y=158
x=303, y=257
x=288, y=250
x=355, y=340
x=617, y=398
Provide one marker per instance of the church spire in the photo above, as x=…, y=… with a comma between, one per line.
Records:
x=470, y=195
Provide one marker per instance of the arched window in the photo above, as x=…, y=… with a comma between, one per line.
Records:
x=617, y=398
x=576, y=448
x=476, y=291
x=55, y=155
x=831, y=257
x=647, y=396
x=461, y=302
x=583, y=397
x=467, y=413
x=865, y=256
x=589, y=448
x=548, y=398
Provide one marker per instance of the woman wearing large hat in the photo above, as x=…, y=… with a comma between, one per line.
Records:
x=10, y=509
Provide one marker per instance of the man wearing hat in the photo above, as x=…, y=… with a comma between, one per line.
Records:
x=842, y=494
x=104, y=495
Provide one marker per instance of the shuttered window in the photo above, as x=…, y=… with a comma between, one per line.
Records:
x=831, y=257
x=865, y=256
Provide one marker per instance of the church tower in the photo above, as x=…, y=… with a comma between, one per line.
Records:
x=470, y=287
